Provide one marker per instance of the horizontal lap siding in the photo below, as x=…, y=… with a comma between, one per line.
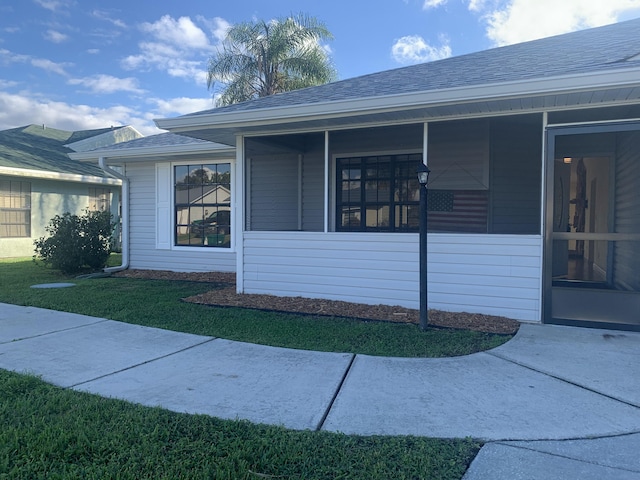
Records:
x=490, y=274
x=143, y=252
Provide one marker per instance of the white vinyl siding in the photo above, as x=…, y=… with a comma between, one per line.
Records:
x=490, y=274
x=148, y=225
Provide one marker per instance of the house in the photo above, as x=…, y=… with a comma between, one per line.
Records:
x=173, y=187
x=38, y=181
x=534, y=204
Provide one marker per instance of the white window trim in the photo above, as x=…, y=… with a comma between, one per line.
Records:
x=170, y=220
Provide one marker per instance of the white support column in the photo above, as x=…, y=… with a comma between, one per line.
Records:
x=425, y=143
x=239, y=212
x=545, y=120
x=300, y=173
x=327, y=172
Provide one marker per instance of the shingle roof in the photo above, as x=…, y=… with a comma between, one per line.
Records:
x=36, y=147
x=598, y=49
x=84, y=134
x=160, y=140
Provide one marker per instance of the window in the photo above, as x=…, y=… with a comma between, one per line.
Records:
x=378, y=193
x=99, y=199
x=202, y=200
x=15, y=208
x=381, y=194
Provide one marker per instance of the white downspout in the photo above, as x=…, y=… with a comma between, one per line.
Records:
x=125, y=215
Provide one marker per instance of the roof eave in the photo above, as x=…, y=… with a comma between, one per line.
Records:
x=146, y=152
x=495, y=91
x=58, y=176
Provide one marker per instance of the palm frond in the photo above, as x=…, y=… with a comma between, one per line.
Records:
x=263, y=58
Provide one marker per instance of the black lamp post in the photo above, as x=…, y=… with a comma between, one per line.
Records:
x=423, y=178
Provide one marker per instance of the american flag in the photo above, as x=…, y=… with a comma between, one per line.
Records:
x=458, y=211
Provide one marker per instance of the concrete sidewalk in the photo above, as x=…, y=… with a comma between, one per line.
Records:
x=554, y=402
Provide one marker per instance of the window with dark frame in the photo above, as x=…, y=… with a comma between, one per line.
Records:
x=378, y=193
x=202, y=205
x=15, y=209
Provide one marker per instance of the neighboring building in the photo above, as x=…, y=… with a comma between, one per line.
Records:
x=534, y=195
x=39, y=181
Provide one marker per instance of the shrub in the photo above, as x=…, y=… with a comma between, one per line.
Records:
x=76, y=242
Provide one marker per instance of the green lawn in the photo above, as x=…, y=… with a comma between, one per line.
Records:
x=49, y=432
x=157, y=303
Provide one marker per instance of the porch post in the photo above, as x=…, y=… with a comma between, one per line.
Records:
x=238, y=212
x=423, y=178
x=326, y=181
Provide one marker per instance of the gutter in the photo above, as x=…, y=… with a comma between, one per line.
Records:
x=48, y=175
x=143, y=153
x=125, y=215
x=562, y=84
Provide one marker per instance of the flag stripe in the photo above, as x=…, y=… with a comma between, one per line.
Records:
x=458, y=211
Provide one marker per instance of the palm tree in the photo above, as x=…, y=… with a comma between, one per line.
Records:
x=262, y=58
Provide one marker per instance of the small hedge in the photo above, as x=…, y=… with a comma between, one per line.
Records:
x=76, y=243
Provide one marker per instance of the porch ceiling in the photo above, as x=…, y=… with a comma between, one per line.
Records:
x=225, y=133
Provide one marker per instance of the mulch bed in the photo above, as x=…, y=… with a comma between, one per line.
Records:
x=225, y=295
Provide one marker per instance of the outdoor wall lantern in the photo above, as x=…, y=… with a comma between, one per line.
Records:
x=423, y=178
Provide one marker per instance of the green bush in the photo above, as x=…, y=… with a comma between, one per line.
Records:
x=76, y=242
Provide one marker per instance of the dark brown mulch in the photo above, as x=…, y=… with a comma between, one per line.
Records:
x=228, y=297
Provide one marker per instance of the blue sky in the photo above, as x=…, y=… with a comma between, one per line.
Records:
x=80, y=64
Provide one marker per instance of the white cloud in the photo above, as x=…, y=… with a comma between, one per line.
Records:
x=7, y=83
x=181, y=106
x=179, y=47
x=50, y=66
x=102, y=15
x=48, y=4
x=93, y=51
x=25, y=109
x=217, y=26
x=414, y=49
x=107, y=84
x=54, y=5
x=165, y=57
x=433, y=4
x=479, y=5
x=55, y=37
x=9, y=57
x=513, y=21
x=181, y=32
